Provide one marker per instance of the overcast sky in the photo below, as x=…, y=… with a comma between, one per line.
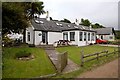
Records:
x=104, y=12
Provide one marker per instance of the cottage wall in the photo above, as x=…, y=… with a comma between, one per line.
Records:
x=29, y=29
x=54, y=36
x=38, y=38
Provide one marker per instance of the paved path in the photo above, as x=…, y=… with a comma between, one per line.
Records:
x=109, y=70
x=71, y=66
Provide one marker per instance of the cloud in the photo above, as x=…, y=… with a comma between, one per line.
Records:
x=102, y=11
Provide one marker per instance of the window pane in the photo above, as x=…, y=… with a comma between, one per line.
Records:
x=80, y=36
x=84, y=36
x=93, y=37
x=72, y=36
x=65, y=36
x=88, y=36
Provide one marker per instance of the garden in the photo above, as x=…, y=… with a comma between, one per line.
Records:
x=32, y=62
x=74, y=53
x=16, y=67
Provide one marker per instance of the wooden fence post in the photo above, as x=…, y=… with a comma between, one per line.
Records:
x=97, y=56
x=114, y=50
x=82, y=58
x=106, y=53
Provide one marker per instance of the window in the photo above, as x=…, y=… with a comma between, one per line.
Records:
x=85, y=36
x=72, y=36
x=102, y=37
x=69, y=26
x=88, y=36
x=93, y=37
x=65, y=36
x=80, y=36
x=75, y=26
x=28, y=38
x=111, y=37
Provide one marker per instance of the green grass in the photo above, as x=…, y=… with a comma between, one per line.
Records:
x=74, y=53
x=13, y=68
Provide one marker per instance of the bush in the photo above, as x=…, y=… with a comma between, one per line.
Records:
x=114, y=42
x=7, y=42
x=31, y=45
x=23, y=53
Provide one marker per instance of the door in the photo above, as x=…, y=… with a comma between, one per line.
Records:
x=45, y=37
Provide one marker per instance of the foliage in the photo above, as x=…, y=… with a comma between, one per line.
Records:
x=16, y=15
x=23, y=53
x=66, y=20
x=13, y=68
x=85, y=22
x=13, y=17
x=117, y=32
x=96, y=25
x=7, y=42
x=114, y=42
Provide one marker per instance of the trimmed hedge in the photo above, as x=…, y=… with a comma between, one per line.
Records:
x=23, y=53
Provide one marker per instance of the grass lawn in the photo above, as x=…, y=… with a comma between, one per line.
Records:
x=13, y=68
x=74, y=53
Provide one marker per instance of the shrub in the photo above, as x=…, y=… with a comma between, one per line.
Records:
x=114, y=42
x=7, y=42
x=23, y=53
x=31, y=45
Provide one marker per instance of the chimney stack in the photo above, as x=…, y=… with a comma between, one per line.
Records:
x=76, y=22
x=47, y=16
x=90, y=27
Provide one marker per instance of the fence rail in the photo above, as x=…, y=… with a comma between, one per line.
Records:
x=98, y=55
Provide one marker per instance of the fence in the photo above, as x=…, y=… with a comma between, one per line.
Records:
x=95, y=54
x=62, y=61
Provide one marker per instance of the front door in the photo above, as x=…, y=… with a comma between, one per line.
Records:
x=44, y=37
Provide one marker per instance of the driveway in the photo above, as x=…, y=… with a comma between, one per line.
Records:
x=109, y=70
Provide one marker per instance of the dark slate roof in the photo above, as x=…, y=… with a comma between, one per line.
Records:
x=107, y=30
x=56, y=26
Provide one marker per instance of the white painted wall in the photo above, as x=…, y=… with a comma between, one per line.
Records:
x=76, y=37
x=54, y=36
x=107, y=37
x=38, y=38
x=29, y=29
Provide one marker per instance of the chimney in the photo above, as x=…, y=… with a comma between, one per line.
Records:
x=90, y=27
x=76, y=22
x=47, y=16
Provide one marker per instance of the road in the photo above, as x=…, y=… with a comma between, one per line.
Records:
x=108, y=70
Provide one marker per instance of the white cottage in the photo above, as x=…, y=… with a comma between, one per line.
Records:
x=107, y=33
x=43, y=31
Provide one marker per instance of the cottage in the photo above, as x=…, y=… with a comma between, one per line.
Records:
x=107, y=33
x=43, y=31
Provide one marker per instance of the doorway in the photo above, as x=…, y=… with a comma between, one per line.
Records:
x=45, y=37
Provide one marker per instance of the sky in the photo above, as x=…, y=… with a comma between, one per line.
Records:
x=104, y=12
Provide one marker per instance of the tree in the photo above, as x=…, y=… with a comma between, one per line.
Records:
x=96, y=25
x=66, y=20
x=17, y=15
x=85, y=22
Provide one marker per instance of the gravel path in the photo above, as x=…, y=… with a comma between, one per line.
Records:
x=109, y=70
